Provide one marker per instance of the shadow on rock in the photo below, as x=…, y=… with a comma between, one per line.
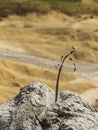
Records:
x=34, y=109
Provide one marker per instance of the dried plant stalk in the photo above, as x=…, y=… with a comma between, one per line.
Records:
x=63, y=58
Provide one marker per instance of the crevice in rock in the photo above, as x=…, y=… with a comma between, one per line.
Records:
x=34, y=109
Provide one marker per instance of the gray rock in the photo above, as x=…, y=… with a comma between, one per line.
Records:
x=34, y=109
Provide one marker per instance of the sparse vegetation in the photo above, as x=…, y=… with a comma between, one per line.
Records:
x=22, y=7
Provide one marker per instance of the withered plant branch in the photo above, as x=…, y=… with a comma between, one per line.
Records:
x=60, y=69
x=73, y=64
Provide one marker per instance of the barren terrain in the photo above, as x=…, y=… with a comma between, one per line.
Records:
x=31, y=47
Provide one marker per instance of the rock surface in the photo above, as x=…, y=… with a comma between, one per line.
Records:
x=34, y=109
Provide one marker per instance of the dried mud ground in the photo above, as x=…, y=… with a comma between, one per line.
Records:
x=31, y=47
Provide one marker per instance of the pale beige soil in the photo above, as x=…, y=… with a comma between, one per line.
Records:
x=52, y=35
x=87, y=71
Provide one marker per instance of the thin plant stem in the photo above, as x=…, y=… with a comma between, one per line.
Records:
x=59, y=72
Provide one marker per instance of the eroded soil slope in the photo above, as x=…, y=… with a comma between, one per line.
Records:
x=51, y=35
x=41, y=40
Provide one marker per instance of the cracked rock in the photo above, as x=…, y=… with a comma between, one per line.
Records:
x=34, y=109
